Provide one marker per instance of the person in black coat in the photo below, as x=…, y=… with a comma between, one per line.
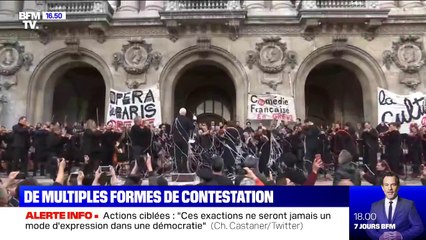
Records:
x=264, y=146
x=55, y=142
x=109, y=139
x=141, y=137
x=415, y=149
x=91, y=145
x=296, y=140
x=382, y=127
x=342, y=139
x=240, y=130
x=21, y=144
x=217, y=168
x=39, y=137
x=312, y=143
x=392, y=140
x=182, y=128
x=232, y=139
x=370, y=138
x=248, y=128
x=7, y=139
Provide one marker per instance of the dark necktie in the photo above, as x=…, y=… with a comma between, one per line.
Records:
x=390, y=212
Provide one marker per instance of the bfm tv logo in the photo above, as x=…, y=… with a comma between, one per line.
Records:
x=29, y=19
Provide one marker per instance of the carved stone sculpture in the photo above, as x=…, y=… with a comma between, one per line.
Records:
x=271, y=56
x=13, y=57
x=4, y=86
x=136, y=57
x=339, y=45
x=73, y=46
x=408, y=55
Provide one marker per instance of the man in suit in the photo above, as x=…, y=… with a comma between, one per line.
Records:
x=395, y=210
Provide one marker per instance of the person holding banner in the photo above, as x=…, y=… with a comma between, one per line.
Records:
x=182, y=128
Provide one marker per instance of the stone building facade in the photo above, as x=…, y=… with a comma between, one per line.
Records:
x=331, y=56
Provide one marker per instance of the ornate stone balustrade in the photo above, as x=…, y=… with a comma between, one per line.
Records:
x=79, y=8
x=202, y=5
x=341, y=4
x=341, y=9
x=71, y=7
x=315, y=14
x=338, y=4
x=215, y=12
x=96, y=15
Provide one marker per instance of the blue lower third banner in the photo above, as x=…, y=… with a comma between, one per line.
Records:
x=188, y=196
x=180, y=212
x=370, y=208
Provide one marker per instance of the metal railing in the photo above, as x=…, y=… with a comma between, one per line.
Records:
x=338, y=4
x=341, y=4
x=78, y=7
x=200, y=5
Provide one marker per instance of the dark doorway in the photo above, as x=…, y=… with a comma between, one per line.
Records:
x=208, y=92
x=79, y=95
x=333, y=93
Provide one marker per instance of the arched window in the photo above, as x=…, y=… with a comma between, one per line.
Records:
x=213, y=107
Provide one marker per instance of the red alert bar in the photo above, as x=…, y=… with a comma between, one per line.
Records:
x=60, y=215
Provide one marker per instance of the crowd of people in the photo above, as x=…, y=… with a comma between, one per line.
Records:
x=223, y=153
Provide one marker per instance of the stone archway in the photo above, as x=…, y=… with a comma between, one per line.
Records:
x=191, y=57
x=366, y=69
x=42, y=82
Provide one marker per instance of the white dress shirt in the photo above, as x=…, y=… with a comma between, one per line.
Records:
x=394, y=202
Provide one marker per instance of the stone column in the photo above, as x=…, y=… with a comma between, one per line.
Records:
x=386, y=4
x=152, y=8
x=31, y=6
x=283, y=6
x=10, y=8
x=410, y=4
x=129, y=6
x=254, y=6
x=113, y=4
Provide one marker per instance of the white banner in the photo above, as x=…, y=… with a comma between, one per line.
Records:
x=125, y=106
x=271, y=106
x=405, y=109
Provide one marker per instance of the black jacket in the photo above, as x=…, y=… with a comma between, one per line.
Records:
x=40, y=140
x=55, y=144
x=91, y=142
x=21, y=136
x=312, y=142
x=222, y=180
x=182, y=129
x=140, y=136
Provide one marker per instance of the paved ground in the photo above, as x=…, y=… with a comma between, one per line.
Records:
x=322, y=181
